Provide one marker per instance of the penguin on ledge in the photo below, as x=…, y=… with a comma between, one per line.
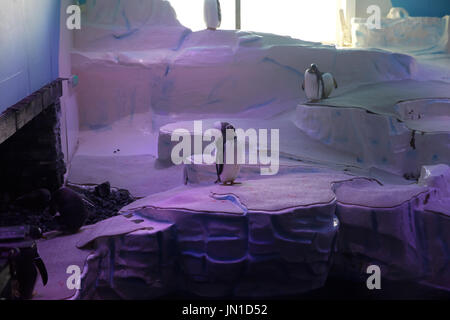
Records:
x=318, y=85
x=212, y=14
x=227, y=173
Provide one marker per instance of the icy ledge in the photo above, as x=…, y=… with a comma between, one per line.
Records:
x=417, y=134
x=218, y=241
x=408, y=241
x=253, y=241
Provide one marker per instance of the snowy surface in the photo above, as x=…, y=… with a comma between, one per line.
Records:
x=285, y=243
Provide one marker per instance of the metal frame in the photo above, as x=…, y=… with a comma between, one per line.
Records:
x=238, y=14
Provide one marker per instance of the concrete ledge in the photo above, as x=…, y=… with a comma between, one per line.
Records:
x=17, y=116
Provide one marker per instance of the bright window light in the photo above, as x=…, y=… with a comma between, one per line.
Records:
x=190, y=14
x=313, y=20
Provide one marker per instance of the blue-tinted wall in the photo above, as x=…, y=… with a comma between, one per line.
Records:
x=424, y=8
x=29, y=46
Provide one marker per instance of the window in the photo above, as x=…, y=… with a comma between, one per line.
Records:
x=314, y=20
x=190, y=13
x=302, y=19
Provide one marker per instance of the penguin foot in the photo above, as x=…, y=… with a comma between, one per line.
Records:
x=230, y=184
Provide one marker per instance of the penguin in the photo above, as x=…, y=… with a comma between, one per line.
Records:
x=226, y=172
x=329, y=83
x=212, y=14
x=313, y=83
x=318, y=85
x=71, y=209
x=23, y=264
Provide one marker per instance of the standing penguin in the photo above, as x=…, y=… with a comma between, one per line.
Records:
x=318, y=85
x=212, y=14
x=226, y=172
x=70, y=206
x=24, y=263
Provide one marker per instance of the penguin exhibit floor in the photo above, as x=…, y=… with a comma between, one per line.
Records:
x=363, y=176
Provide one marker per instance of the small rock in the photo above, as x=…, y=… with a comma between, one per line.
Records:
x=103, y=190
x=124, y=195
x=106, y=203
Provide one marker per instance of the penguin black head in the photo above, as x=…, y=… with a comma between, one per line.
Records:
x=71, y=208
x=36, y=233
x=314, y=69
x=224, y=127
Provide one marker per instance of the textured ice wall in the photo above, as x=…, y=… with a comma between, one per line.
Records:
x=407, y=239
x=420, y=136
x=209, y=72
x=106, y=23
x=214, y=244
x=250, y=241
x=29, y=39
x=130, y=13
x=133, y=61
x=138, y=265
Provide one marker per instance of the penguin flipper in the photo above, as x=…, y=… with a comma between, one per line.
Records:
x=37, y=261
x=219, y=12
x=335, y=83
x=42, y=269
x=303, y=85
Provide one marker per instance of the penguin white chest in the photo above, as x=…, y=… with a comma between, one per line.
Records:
x=313, y=89
x=328, y=83
x=231, y=168
x=230, y=173
x=212, y=14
